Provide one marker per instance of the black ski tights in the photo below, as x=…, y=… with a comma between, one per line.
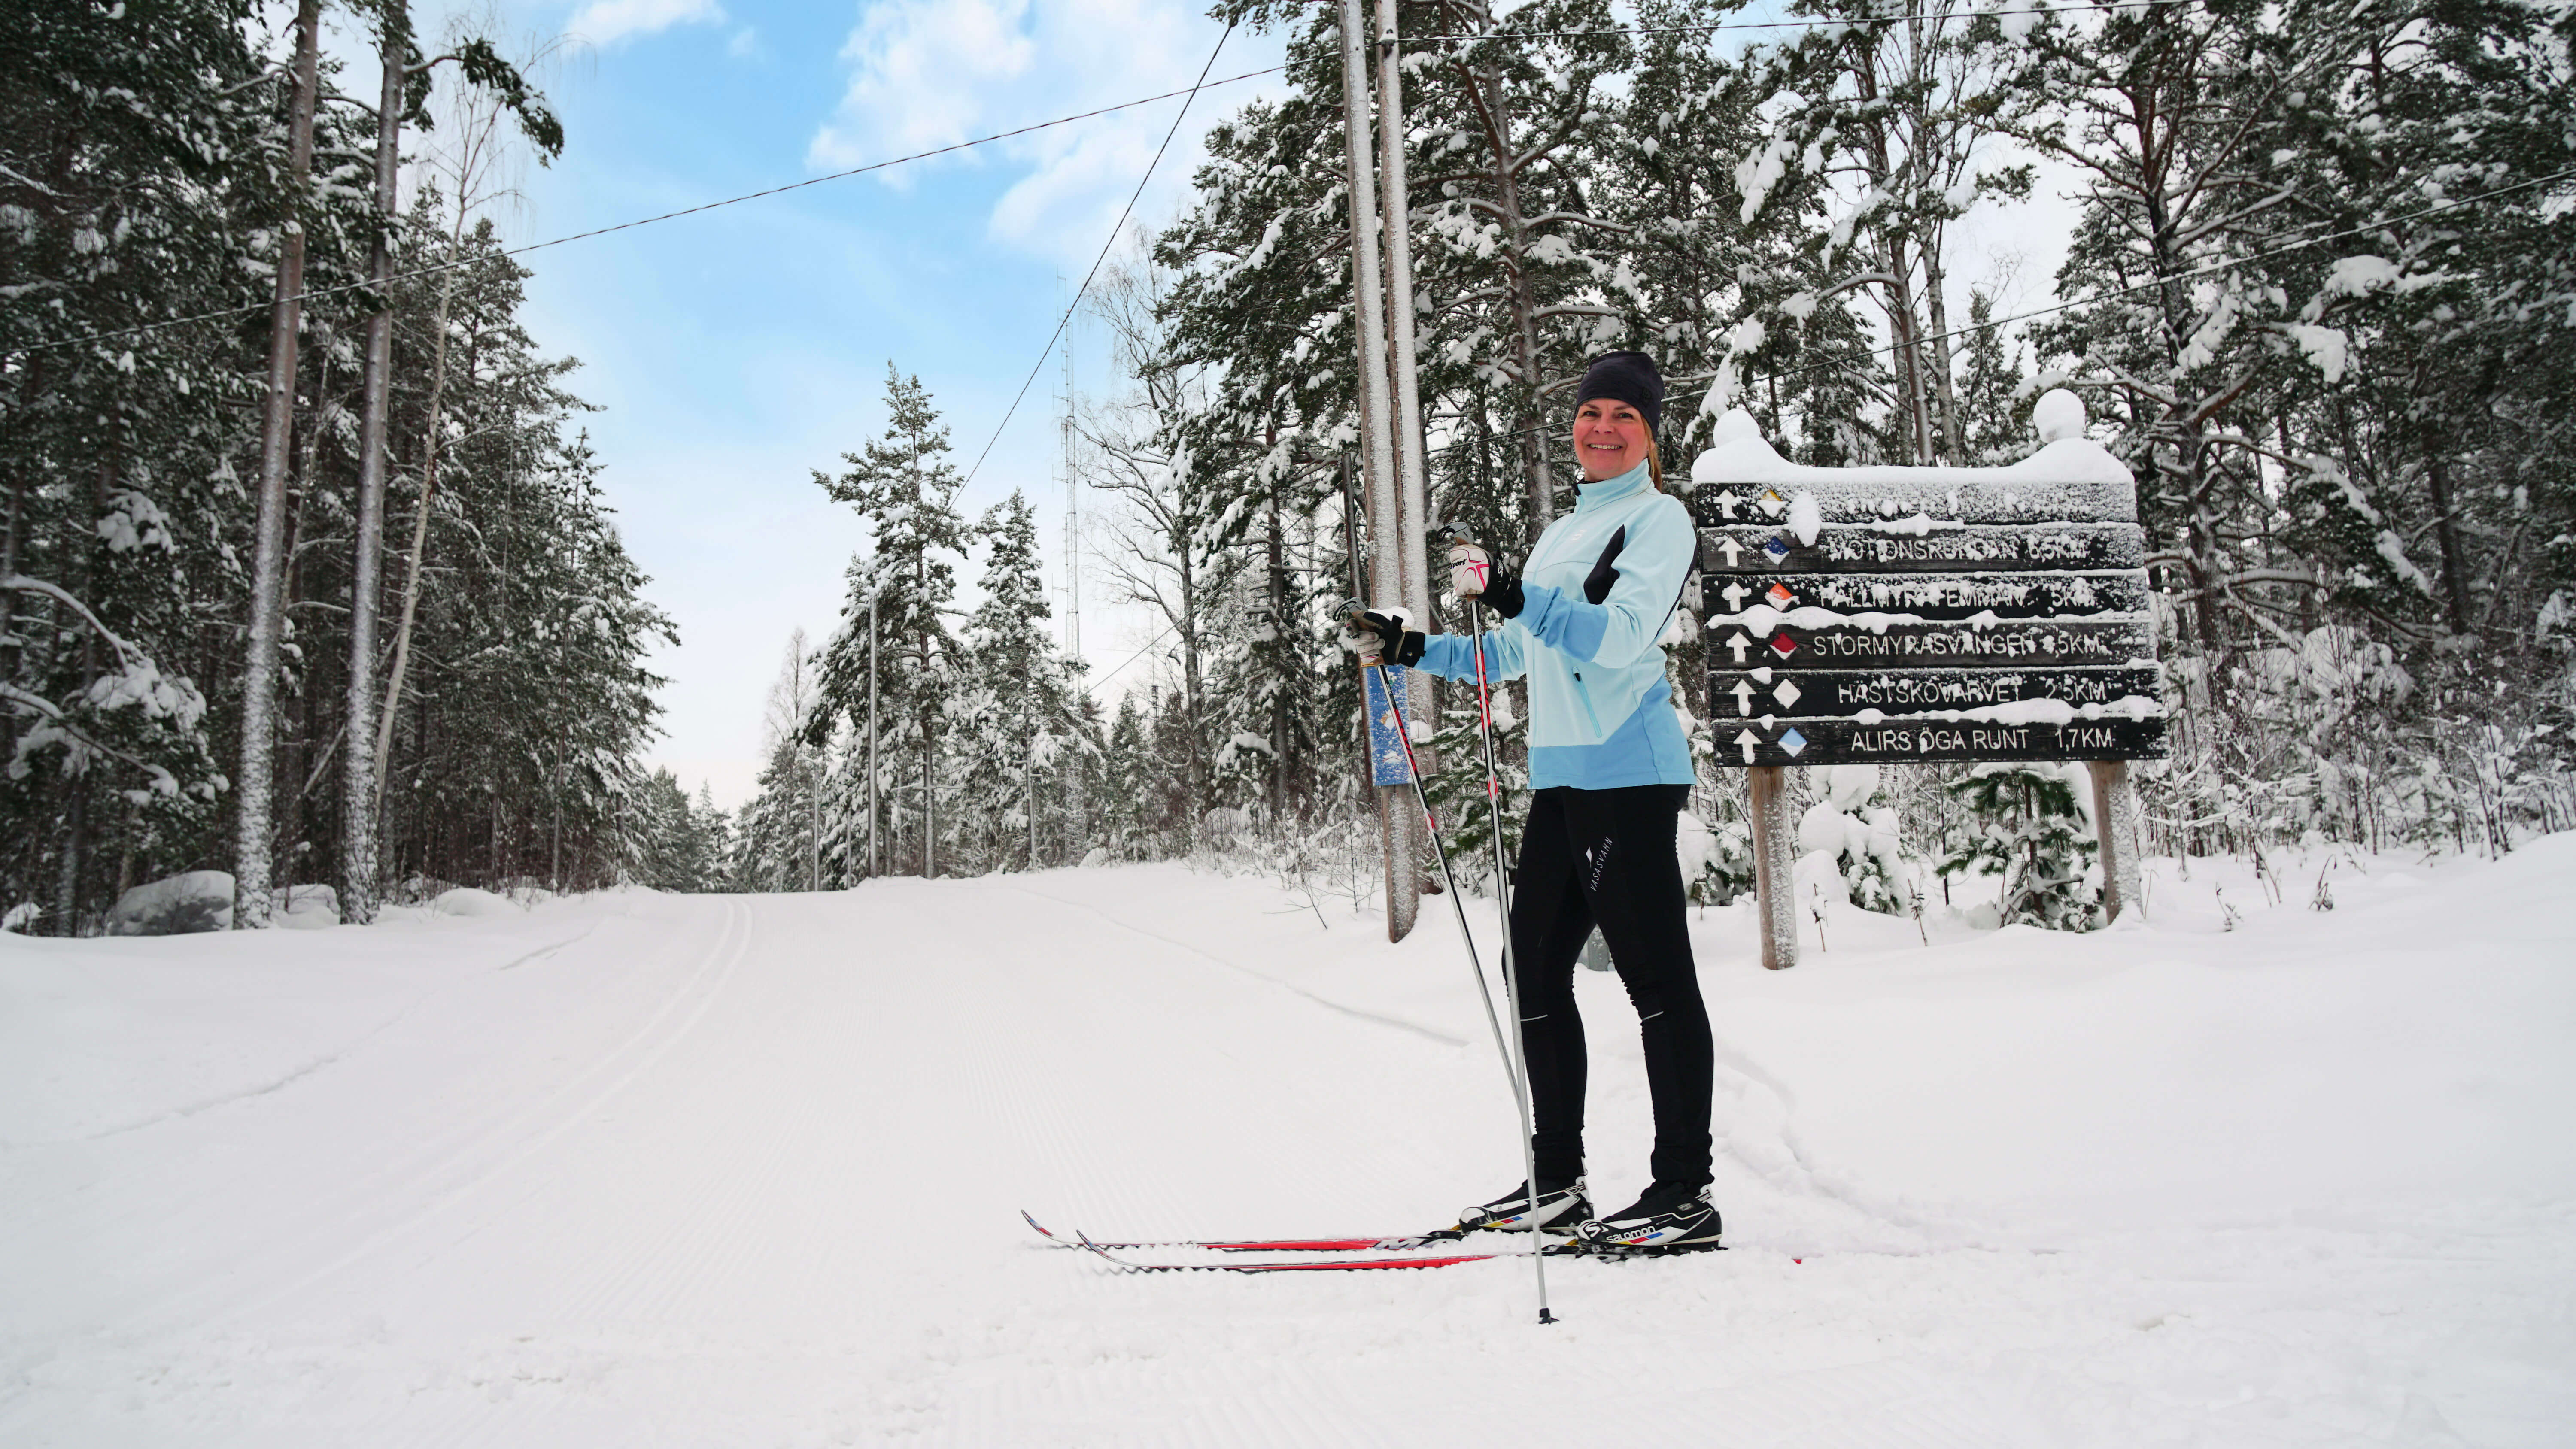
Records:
x=1605, y=858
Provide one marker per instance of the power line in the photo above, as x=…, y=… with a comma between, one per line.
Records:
x=1132, y=658
x=1112, y=240
x=1203, y=83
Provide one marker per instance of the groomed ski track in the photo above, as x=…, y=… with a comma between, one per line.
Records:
x=644, y=1170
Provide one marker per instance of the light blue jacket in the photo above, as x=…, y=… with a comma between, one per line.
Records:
x=1600, y=589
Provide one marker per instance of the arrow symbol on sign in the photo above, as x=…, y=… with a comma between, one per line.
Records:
x=1739, y=644
x=1734, y=596
x=1729, y=547
x=1727, y=503
x=1743, y=693
x=1748, y=739
x=1787, y=693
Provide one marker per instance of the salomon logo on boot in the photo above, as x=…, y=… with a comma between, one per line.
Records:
x=1671, y=1217
x=1560, y=1207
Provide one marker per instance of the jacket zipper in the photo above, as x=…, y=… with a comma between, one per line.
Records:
x=1584, y=694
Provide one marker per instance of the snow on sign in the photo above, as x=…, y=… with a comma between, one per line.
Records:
x=1871, y=615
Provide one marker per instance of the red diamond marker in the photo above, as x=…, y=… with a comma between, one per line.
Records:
x=1783, y=645
x=1779, y=596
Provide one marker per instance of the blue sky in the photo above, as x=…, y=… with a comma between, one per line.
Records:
x=734, y=353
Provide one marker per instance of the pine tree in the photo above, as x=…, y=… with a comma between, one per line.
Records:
x=1015, y=705
x=904, y=487
x=2027, y=827
x=1990, y=401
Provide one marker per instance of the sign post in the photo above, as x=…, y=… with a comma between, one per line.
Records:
x=1920, y=615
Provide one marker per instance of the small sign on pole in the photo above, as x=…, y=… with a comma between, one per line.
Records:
x=1877, y=615
x=1388, y=763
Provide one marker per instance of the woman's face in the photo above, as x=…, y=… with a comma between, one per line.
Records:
x=1609, y=438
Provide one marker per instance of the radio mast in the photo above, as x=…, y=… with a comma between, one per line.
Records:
x=1073, y=596
x=1072, y=512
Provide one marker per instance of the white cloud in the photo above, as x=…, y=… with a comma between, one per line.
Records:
x=605, y=22
x=927, y=73
x=924, y=73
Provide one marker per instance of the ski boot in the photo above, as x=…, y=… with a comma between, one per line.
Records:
x=1670, y=1218
x=1561, y=1205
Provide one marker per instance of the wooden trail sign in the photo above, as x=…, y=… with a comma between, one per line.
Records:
x=1914, y=615
x=2000, y=644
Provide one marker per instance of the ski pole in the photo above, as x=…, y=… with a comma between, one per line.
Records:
x=1502, y=877
x=1512, y=1069
x=1503, y=904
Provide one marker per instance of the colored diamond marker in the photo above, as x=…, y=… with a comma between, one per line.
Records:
x=1777, y=549
x=1794, y=742
x=1783, y=645
x=1787, y=693
x=1779, y=596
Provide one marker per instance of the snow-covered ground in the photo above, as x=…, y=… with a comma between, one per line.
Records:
x=641, y=1170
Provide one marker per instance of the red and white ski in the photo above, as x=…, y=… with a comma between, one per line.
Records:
x=1303, y=1265
x=1399, y=1243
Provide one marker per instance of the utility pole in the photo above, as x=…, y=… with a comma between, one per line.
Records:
x=1400, y=828
x=1412, y=487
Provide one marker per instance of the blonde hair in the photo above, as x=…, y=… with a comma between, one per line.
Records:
x=1655, y=462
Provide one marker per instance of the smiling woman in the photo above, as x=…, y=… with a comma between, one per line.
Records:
x=1610, y=771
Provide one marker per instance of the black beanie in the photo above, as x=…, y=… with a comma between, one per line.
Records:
x=1628, y=377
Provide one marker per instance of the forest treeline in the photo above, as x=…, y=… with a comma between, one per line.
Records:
x=2321, y=297
x=444, y=661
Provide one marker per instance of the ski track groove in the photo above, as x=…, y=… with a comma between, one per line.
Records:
x=1356, y=1013
x=522, y=1134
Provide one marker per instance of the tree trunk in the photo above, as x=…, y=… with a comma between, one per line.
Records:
x=2446, y=532
x=1529, y=427
x=358, y=768
x=1954, y=446
x=1906, y=333
x=420, y=516
x=1274, y=544
x=259, y=669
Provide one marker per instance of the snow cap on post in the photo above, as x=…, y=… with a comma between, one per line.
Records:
x=2057, y=415
x=1628, y=377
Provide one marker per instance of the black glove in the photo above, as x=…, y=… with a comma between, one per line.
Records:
x=1388, y=639
x=1503, y=592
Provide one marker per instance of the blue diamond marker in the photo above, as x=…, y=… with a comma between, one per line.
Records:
x=1794, y=743
x=1776, y=549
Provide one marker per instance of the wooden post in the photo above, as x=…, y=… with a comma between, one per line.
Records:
x=2115, y=821
x=1775, y=867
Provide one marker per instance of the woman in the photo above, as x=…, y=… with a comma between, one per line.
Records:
x=1609, y=772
